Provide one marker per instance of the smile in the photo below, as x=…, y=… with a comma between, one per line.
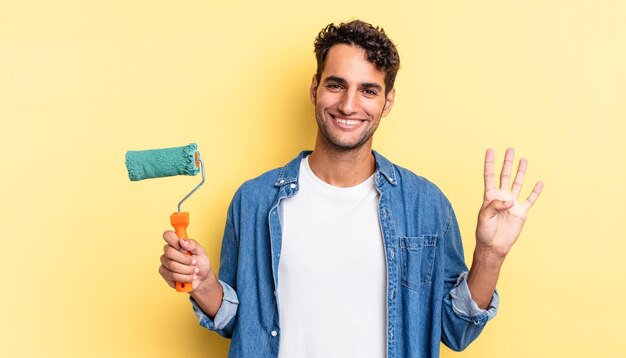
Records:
x=348, y=122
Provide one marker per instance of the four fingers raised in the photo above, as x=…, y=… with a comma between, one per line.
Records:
x=505, y=176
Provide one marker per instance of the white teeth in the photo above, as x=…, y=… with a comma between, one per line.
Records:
x=349, y=122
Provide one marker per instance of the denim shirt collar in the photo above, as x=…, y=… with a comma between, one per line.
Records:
x=289, y=173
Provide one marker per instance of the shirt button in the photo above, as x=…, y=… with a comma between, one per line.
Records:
x=274, y=333
x=292, y=186
x=282, y=181
x=391, y=253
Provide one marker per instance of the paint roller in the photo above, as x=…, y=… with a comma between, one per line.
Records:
x=158, y=163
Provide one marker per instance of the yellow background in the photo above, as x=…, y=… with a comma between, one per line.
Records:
x=81, y=82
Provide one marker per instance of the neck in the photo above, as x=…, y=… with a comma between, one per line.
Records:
x=342, y=168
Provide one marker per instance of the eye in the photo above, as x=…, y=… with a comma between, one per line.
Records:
x=370, y=92
x=333, y=86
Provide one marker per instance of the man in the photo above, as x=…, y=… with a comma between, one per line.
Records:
x=341, y=253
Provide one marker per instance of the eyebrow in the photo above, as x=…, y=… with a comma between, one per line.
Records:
x=343, y=82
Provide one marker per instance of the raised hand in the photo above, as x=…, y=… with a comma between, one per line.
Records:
x=502, y=215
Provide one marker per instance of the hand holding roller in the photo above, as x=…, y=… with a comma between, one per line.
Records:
x=157, y=163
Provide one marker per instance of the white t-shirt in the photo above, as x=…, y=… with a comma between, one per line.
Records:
x=332, y=272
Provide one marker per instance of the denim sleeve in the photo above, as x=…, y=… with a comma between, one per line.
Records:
x=465, y=307
x=224, y=315
x=225, y=319
x=462, y=319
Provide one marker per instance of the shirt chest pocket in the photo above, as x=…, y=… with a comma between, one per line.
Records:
x=417, y=260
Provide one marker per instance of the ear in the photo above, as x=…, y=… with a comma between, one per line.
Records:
x=389, y=101
x=313, y=89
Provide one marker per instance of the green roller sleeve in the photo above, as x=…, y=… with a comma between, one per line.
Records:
x=157, y=163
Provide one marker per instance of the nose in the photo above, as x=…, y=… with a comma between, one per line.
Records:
x=348, y=103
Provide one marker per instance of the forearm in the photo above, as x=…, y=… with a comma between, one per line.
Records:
x=209, y=295
x=483, y=277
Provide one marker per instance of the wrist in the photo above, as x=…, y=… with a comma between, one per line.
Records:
x=209, y=294
x=488, y=257
x=208, y=286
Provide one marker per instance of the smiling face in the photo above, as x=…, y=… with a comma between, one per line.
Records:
x=349, y=99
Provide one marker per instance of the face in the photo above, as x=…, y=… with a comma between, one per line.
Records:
x=349, y=99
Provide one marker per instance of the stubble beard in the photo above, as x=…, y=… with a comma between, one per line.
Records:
x=338, y=144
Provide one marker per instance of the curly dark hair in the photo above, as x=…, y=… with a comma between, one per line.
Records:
x=381, y=52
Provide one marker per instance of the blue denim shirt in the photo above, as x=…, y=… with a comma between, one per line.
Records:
x=428, y=300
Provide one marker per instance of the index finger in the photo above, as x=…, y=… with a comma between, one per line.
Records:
x=172, y=239
x=489, y=172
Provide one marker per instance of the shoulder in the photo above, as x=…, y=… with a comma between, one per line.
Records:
x=404, y=179
x=418, y=189
x=266, y=186
x=420, y=202
x=417, y=182
x=259, y=186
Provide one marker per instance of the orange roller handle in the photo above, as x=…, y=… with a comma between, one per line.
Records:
x=180, y=221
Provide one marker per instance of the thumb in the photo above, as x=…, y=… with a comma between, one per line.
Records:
x=496, y=206
x=191, y=246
